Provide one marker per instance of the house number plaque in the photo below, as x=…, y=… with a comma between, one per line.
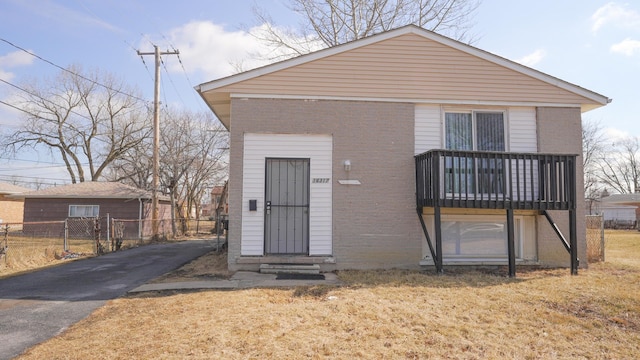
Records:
x=320, y=180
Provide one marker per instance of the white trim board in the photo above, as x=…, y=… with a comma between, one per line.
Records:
x=258, y=147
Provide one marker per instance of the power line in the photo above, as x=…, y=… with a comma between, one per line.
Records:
x=184, y=71
x=71, y=72
x=20, y=109
x=173, y=84
x=47, y=100
x=141, y=58
x=10, y=177
x=39, y=167
x=40, y=117
x=35, y=161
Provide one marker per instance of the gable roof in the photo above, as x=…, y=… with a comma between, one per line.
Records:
x=10, y=189
x=408, y=64
x=621, y=198
x=90, y=189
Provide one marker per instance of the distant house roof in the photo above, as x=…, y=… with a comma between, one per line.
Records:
x=91, y=189
x=619, y=207
x=621, y=198
x=10, y=189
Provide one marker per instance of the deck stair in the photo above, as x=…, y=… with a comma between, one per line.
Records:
x=289, y=268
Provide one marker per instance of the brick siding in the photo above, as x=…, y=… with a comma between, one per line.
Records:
x=374, y=224
x=560, y=131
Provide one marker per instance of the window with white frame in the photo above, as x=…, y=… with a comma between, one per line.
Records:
x=478, y=237
x=84, y=210
x=474, y=131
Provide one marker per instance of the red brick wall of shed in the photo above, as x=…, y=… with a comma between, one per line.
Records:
x=58, y=209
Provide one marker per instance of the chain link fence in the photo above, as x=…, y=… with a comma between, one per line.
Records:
x=27, y=245
x=33, y=244
x=595, y=238
x=126, y=233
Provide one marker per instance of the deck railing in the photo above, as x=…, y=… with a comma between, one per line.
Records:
x=495, y=180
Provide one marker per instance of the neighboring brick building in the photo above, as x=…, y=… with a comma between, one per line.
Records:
x=402, y=149
x=94, y=199
x=11, y=204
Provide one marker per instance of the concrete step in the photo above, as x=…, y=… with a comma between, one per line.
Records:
x=290, y=268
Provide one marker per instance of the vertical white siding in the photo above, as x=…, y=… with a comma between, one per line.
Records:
x=523, y=138
x=258, y=147
x=522, y=129
x=428, y=128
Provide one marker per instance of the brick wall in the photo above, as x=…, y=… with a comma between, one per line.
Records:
x=58, y=209
x=560, y=131
x=374, y=224
x=11, y=210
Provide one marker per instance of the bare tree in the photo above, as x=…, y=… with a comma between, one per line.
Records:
x=135, y=168
x=593, y=150
x=193, y=150
x=90, y=121
x=620, y=167
x=193, y=153
x=326, y=23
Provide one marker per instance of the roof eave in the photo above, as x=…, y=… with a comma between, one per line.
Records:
x=225, y=120
x=596, y=100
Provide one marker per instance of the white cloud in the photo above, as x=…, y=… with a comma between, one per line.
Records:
x=16, y=58
x=13, y=59
x=533, y=58
x=9, y=115
x=613, y=134
x=627, y=47
x=616, y=14
x=5, y=75
x=208, y=48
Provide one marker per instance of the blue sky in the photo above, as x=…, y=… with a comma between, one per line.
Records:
x=593, y=44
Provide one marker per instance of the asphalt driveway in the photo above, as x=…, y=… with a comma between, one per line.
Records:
x=37, y=306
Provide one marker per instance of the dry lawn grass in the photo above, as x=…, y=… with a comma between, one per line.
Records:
x=543, y=314
x=35, y=256
x=211, y=266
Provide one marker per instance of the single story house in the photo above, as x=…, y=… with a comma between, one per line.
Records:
x=621, y=210
x=403, y=149
x=96, y=199
x=11, y=203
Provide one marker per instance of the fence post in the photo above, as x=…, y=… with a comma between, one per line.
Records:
x=65, y=242
x=4, y=250
x=218, y=232
x=109, y=233
x=602, y=236
x=96, y=235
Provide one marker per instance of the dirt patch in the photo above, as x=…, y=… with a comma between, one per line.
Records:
x=211, y=266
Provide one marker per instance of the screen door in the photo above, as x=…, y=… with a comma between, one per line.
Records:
x=287, y=206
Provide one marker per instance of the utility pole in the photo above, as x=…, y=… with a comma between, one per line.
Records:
x=156, y=136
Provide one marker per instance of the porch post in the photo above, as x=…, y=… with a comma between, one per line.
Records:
x=511, y=249
x=573, y=236
x=573, y=241
x=438, y=225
